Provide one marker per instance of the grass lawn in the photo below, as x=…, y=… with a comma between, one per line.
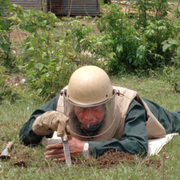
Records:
x=36, y=167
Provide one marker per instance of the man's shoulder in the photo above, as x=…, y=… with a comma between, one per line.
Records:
x=123, y=89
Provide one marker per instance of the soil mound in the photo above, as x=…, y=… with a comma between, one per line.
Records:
x=112, y=158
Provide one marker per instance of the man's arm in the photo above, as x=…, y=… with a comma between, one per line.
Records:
x=26, y=135
x=134, y=139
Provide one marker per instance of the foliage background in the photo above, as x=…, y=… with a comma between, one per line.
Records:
x=138, y=53
x=119, y=42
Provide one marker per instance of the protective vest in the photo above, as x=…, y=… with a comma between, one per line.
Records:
x=114, y=121
x=153, y=126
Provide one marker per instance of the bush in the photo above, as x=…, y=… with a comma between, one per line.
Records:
x=46, y=57
x=158, y=33
x=125, y=45
x=8, y=19
x=51, y=52
x=132, y=48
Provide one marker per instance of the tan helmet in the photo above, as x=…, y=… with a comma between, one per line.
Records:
x=89, y=86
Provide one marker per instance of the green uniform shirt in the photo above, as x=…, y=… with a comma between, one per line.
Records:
x=134, y=139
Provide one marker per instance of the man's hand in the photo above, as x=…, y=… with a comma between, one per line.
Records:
x=49, y=122
x=56, y=150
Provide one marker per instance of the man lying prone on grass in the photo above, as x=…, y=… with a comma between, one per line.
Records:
x=96, y=116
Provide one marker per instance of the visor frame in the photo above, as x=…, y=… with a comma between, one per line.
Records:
x=92, y=105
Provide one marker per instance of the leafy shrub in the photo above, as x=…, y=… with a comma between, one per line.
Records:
x=50, y=55
x=8, y=19
x=121, y=40
x=158, y=29
x=157, y=33
x=54, y=48
x=131, y=47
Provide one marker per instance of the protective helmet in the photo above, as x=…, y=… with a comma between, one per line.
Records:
x=89, y=86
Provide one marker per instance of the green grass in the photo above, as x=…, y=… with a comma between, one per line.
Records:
x=13, y=116
x=173, y=1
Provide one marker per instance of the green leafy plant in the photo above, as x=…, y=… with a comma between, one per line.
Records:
x=157, y=34
x=149, y=10
x=46, y=57
x=8, y=19
x=124, y=45
x=131, y=47
x=172, y=45
x=50, y=55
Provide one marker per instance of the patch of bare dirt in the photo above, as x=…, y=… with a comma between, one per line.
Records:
x=21, y=163
x=14, y=81
x=18, y=35
x=113, y=158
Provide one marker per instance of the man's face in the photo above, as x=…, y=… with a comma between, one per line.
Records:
x=89, y=116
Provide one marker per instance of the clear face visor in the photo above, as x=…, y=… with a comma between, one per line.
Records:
x=92, y=120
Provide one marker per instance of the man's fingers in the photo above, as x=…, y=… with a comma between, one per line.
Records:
x=56, y=151
x=54, y=146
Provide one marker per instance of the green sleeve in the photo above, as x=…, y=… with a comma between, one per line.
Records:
x=169, y=120
x=26, y=135
x=134, y=139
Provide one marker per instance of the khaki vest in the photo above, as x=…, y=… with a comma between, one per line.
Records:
x=113, y=128
x=153, y=126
